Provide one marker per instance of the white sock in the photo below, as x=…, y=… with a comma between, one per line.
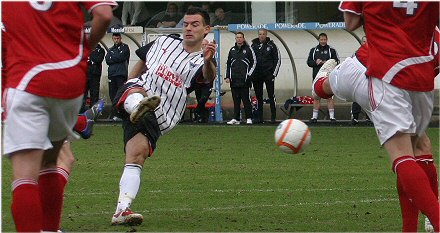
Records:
x=132, y=102
x=315, y=113
x=331, y=112
x=128, y=186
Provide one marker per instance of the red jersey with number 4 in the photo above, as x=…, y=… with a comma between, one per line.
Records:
x=46, y=48
x=399, y=40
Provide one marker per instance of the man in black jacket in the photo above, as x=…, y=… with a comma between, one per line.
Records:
x=117, y=59
x=317, y=57
x=268, y=65
x=239, y=68
x=94, y=71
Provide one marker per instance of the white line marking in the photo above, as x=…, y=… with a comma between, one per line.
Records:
x=208, y=209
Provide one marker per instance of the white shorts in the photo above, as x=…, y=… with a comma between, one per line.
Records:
x=390, y=108
x=32, y=122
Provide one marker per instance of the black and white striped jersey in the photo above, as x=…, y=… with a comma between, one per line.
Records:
x=170, y=70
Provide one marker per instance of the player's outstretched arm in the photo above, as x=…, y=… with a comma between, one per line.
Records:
x=137, y=69
x=352, y=21
x=102, y=16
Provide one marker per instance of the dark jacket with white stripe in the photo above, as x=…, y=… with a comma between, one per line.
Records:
x=117, y=59
x=240, y=65
x=268, y=59
x=321, y=52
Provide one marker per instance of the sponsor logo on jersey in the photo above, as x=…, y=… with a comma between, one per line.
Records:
x=164, y=72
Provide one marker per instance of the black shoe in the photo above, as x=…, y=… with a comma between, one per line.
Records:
x=354, y=122
x=332, y=121
x=313, y=120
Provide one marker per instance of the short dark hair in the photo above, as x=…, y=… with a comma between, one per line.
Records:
x=117, y=34
x=201, y=12
x=322, y=34
x=241, y=33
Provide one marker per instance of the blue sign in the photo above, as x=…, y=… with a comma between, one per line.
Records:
x=287, y=26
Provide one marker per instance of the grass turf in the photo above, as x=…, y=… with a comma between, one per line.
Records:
x=234, y=178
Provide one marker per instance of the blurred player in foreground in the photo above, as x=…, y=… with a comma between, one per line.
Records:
x=152, y=104
x=43, y=94
x=392, y=80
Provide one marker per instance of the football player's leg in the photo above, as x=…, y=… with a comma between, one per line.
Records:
x=86, y=120
x=396, y=139
x=26, y=205
x=137, y=150
x=133, y=100
x=320, y=86
x=423, y=155
x=52, y=181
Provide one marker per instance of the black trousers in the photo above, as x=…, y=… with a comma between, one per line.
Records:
x=202, y=95
x=240, y=94
x=92, y=89
x=355, y=110
x=270, y=88
x=114, y=83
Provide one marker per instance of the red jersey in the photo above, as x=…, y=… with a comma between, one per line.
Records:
x=362, y=54
x=399, y=40
x=46, y=50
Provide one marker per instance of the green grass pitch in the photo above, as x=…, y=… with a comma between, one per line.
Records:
x=218, y=178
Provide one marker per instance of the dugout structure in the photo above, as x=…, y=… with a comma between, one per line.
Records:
x=293, y=40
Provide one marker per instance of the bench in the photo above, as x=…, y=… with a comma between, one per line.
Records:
x=192, y=108
x=294, y=104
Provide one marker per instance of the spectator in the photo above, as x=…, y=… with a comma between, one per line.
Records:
x=202, y=90
x=94, y=71
x=239, y=67
x=135, y=14
x=207, y=7
x=117, y=59
x=266, y=70
x=171, y=17
x=49, y=96
x=317, y=57
x=180, y=23
x=221, y=18
x=146, y=116
x=355, y=107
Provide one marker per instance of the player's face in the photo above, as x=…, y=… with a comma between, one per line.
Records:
x=193, y=29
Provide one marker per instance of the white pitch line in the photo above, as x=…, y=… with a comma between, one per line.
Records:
x=237, y=191
x=213, y=209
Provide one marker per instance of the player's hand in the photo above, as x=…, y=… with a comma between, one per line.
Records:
x=209, y=51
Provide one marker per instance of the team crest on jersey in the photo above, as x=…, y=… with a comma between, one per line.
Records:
x=244, y=51
x=192, y=65
x=166, y=73
x=164, y=50
x=325, y=52
x=268, y=49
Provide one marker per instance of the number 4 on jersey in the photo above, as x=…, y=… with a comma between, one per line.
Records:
x=409, y=5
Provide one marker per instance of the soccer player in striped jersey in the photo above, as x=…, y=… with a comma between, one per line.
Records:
x=152, y=104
